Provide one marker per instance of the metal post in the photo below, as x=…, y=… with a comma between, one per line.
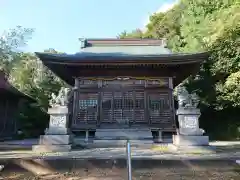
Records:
x=129, y=163
x=86, y=137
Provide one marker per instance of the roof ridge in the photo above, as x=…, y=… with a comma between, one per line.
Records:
x=89, y=42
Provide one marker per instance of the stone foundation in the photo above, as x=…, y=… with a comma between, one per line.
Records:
x=182, y=140
x=123, y=134
x=52, y=148
x=121, y=143
x=57, y=131
x=118, y=137
x=55, y=139
x=54, y=143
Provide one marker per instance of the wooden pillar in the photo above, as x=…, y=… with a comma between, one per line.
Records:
x=146, y=107
x=172, y=97
x=75, y=101
x=16, y=124
x=100, y=94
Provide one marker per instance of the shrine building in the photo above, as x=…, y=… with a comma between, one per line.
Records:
x=11, y=100
x=123, y=83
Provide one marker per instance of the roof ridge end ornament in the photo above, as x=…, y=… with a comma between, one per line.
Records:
x=164, y=42
x=83, y=42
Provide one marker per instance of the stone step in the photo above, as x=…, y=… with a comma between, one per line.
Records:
x=120, y=143
x=55, y=139
x=123, y=134
x=124, y=129
x=119, y=138
x=52, y=148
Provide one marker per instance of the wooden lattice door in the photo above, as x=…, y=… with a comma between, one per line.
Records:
x=88, y=108
x=160, y=109
x=117, y=108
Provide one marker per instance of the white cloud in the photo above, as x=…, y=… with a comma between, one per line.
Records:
x=163, y=8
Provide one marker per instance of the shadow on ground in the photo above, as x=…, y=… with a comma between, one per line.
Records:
x=91, y=169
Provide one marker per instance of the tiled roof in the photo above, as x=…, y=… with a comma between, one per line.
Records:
x=126, y=50
x=117, y=47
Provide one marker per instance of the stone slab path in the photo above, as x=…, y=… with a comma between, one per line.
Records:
x=105, y=153
x=224, y=150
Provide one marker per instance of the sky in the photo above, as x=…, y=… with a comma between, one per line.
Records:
x=58, y=24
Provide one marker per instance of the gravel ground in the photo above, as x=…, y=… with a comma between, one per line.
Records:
x=186, y=171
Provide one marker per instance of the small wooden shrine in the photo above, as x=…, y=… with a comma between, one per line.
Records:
x=123, y=83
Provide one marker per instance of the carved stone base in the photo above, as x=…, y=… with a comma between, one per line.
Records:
x=54, y=143
x=57, y=131
x=188, y=121
x=191, y=132
x=192, y=149
x=191, y=144
x=55, y=139
x=51, y=148
x=181, y=140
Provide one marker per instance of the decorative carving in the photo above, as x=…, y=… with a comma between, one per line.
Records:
x=185, y=99
x=61, y=99
x=190, y=122
x=195, y=99
x=124, y=81
x=57, y=121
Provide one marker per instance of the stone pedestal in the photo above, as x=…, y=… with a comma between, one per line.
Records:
x=189, y=135
x=57, y=137
x=183, y=140
x=188, y=121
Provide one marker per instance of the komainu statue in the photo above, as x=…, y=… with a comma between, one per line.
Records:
x=185, y=99
x=61, y=99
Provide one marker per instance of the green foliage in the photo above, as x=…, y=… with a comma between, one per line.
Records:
x=32, y=121
x=134, y=34
x=28, y=74
x=10, y=42
x=214, y=26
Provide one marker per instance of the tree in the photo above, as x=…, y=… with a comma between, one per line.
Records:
x=10, y=43
x=27, y=73
x=199, y=25
x=137, y=33
x=214, y=26
x=30, y=76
